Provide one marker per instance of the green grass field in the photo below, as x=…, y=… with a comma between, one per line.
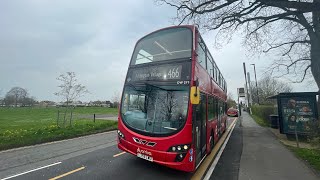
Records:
x=32, y=117
x=28, y=126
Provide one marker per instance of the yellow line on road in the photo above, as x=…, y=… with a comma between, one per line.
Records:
x=68, y=173
x=207, y=162
x=119, y=154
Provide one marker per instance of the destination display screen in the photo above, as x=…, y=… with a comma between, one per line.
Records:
x=167, y=72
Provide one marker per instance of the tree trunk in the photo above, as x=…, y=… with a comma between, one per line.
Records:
x=315, y=48
x=71, y=116
x=65, y=114
x=16, y=101
x=315, y=64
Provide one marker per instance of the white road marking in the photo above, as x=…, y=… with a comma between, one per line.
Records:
x=215, y=162
x=42, y=167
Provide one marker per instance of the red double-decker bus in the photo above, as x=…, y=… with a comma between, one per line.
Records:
x=173, y=106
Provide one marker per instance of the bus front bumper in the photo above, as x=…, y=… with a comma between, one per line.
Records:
x=161, y=157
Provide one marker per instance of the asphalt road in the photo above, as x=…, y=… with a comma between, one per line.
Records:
x=229, y=163
x=97, y=157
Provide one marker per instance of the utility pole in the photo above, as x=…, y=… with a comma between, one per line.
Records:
x=250, y=89
x=255, y=75
x=245, y=76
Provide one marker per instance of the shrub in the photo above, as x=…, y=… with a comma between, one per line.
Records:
x=263, y=111
x=314, y=135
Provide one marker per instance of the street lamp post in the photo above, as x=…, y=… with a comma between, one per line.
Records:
x=255, y=76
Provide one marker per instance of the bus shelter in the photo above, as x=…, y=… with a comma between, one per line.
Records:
x=296, y=112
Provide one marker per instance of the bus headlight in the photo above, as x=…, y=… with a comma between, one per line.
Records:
x=185, y=147
x=179, y=148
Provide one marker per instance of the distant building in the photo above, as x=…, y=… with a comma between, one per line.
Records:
x=47, y=103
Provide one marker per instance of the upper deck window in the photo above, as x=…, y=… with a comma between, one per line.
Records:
x=210, y=65
x=202, y=54
x=173, y=43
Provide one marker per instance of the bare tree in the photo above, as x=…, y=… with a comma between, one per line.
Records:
x=168, y=103
x=230, y=101
x=288, y=29
x=267, y=87
x=16, y=95
x=1, y=98
x=29, y=101
x=115, y=99
x=70, y=91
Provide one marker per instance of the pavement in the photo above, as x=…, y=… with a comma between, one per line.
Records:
x=264, y=157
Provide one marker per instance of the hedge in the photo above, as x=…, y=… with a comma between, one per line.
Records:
x=263, y=111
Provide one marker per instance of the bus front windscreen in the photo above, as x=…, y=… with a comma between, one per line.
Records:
x=155, y=110
x=167, y=44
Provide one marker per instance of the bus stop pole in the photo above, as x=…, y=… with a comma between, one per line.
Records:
x=239, y=113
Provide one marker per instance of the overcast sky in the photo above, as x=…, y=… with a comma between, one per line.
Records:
x=41, y=39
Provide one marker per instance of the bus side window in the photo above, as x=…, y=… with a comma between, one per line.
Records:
x=210, y=68
x=202, y=54
x=210, y=108
x=220, y=108
x=216, y=73
x=215, y=109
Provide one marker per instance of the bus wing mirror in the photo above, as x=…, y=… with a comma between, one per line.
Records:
x=195, y=95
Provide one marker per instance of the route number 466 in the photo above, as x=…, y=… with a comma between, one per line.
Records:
x=174, y=73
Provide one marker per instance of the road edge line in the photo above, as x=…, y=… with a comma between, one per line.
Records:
x=67, y=173
x=218, y=156
x=203, y=168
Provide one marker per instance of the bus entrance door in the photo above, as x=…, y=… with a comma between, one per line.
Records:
x=199, y=127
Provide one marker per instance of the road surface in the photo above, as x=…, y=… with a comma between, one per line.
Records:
x=97, y=157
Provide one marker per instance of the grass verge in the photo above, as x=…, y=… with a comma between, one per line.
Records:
x=24, y=137
x=259, y=120
x=37, y=118
x=311, y=156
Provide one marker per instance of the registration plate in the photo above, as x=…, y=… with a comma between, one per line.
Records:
x=148, y=158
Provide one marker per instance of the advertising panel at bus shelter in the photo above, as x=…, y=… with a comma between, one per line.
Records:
x=297, y=114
